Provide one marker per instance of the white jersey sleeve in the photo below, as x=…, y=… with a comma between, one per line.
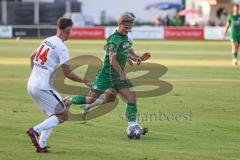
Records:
x=63, y=56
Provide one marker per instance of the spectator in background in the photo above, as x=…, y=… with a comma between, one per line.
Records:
x=176, y=21
x=211, y=23
x=167, y=21
x=222, y=15
x=159, y=21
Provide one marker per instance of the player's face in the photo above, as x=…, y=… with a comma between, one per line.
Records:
x=235, y=9
x=125, y=28
x=66, y=32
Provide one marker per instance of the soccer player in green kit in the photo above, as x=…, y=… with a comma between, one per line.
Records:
x=234, y=24
x=111, y=75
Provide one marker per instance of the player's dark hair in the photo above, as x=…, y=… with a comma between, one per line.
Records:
x=63, y=23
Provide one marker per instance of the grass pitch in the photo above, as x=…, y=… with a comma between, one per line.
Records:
x=198, y=120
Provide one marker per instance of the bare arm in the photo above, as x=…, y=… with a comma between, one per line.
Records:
x=133, y=56
x=32, y=58
x=226, y=29
x=72, y=76
x=116, y=66
x=130, y=62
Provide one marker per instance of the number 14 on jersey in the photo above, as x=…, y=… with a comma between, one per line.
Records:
x=42, y=55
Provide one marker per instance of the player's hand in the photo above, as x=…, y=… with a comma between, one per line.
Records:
x=87, y=82
x=130, y=62
x=224, y=35
x=146, y=56
x=139, y=60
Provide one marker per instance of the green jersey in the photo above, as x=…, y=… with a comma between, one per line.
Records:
x=119, y=44
x=107, y=77
x=234, y=22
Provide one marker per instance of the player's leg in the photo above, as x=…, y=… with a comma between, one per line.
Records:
x=100, y=85
x=108, y=96
x=235, y=46
x=125, y=89
x=50, y=103
x=111, y=95
x=79, y=99
x=91, y=97
x=129, y=96
x=45, y=134
x=131, y=108
x=45, y=129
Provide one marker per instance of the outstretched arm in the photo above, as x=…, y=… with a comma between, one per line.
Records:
x=226, y=29
x=74, y=77
x=133, y=56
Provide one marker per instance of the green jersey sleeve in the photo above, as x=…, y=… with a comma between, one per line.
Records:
x=113, y=44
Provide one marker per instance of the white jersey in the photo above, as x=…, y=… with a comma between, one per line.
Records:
x=49, y=55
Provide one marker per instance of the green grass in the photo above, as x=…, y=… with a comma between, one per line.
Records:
x=205, y=102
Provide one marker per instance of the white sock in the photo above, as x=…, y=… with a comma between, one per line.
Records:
x=44, y=136
x=100, y=100
x=47, y=124
x=132, y=123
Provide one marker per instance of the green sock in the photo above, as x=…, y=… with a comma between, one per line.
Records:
x=235, y=55
x=79, y=100
x=131, y=112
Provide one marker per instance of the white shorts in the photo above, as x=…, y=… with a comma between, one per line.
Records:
x=49, y=101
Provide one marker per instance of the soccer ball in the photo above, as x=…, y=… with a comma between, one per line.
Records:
x=134, y=132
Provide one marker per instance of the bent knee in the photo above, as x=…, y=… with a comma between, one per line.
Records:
x=90, y=100
x=132, y=99
x=110, y=97
x=62, y=117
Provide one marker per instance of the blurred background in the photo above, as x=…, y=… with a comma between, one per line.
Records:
x=156, y=19
x=199, y=119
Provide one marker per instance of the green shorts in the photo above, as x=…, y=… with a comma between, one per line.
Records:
x=236, y=39
x=104, y=81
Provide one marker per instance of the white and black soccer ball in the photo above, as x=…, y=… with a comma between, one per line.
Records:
x=134, y=132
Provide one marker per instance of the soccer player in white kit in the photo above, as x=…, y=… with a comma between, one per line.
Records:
x=51, y=54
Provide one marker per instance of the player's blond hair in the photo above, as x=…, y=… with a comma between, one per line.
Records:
x=126, y=17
